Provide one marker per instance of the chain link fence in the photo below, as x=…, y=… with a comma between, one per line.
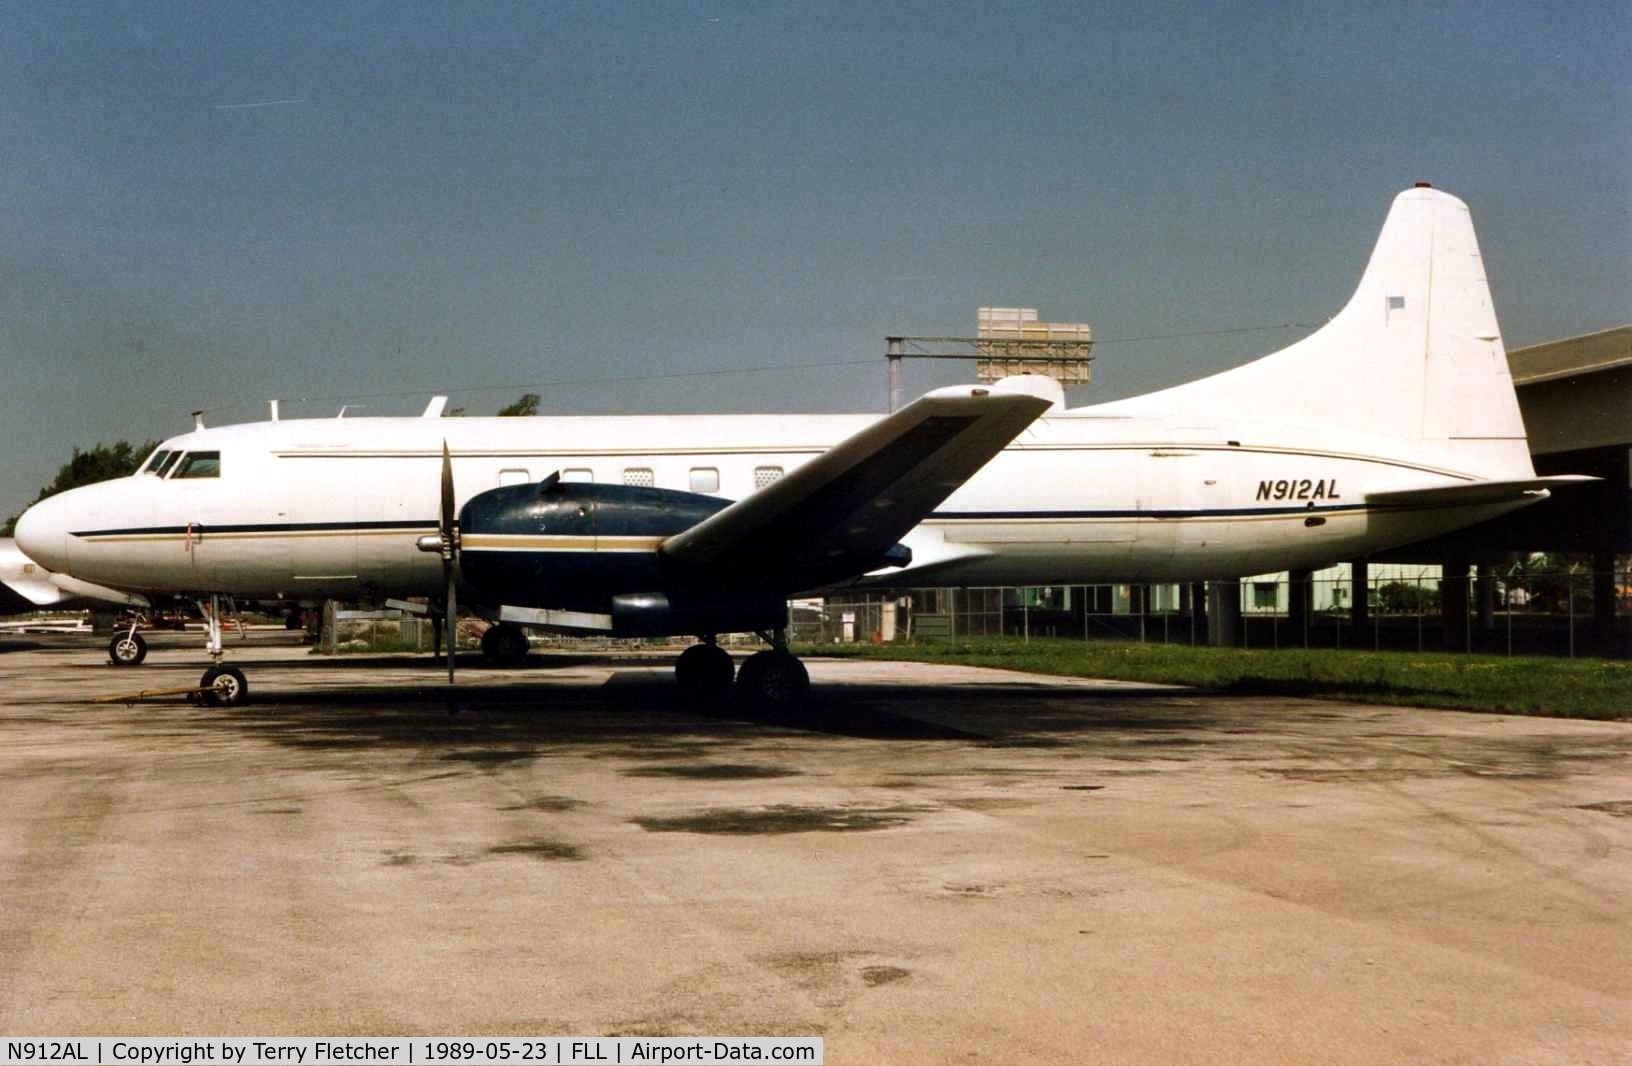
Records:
x=1509, y=610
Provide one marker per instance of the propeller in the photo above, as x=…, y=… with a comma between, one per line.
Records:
x=446, y=544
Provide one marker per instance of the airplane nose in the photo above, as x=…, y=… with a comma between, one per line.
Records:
x=42, y=534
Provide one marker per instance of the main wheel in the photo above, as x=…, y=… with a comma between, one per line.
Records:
x=127, y=649
x=704, y=669
x=504, y=644
x=224, y=686
x=773, y=680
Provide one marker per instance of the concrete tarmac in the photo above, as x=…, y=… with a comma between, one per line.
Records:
x=933, y=865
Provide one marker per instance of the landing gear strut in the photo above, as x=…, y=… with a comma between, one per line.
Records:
x=505, y=644
x=705, y=669
x=222, y=685
x=775, y=679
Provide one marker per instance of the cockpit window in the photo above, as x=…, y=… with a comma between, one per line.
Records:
x=154, y=463
x=168, y=463
x=199, y=464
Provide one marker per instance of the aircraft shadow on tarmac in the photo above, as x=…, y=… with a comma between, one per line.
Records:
x=639, y=711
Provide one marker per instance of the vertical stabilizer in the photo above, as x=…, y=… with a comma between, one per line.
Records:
x=1415, y=356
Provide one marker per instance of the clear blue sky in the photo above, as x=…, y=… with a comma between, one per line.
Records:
x=212, y=204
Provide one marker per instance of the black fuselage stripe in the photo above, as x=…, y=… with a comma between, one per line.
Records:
x=938, y=516
x=262, y=527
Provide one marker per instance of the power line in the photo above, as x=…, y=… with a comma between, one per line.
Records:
x=1206, y=333
x=676, y=375
x=568, y=382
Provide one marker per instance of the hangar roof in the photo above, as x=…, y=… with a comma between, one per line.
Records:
x=1571, y=356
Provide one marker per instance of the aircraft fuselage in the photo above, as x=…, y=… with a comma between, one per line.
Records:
x=307, y=509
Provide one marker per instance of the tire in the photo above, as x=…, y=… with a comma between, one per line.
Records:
x=773, y=681
x=504, y=644
x=224, y=686
x=704, y=669
x=127, y=649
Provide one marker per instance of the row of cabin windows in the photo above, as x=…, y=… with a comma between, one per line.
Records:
x=703, y=479
x=178, y=464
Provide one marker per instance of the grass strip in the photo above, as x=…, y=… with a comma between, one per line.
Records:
x=1563, y=688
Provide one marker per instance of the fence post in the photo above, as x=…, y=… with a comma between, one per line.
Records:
x=1569, y=597
x=1507, y=609
x=328, y=640
x=1419, y=611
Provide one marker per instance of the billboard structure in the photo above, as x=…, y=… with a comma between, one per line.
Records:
x=1007, y=341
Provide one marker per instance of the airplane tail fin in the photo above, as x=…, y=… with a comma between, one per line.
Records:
x=1415, y=356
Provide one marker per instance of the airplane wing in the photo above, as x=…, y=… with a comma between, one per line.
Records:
x=1476, y=492
x=840, y=514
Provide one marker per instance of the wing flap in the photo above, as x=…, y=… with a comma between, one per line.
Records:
x=839, y=514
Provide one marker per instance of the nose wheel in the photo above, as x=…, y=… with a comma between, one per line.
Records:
x=127, y=649
x=223, y=686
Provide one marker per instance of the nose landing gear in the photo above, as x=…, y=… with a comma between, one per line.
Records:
x=222, y=685
x=128, y=648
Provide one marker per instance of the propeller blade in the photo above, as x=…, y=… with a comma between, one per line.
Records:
x=447, y=491
x=452, y=623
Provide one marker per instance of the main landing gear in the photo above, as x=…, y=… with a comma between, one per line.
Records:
x=770, y=680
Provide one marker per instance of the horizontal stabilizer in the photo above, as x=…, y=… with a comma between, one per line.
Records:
x=838, y=515
x=1470, y=493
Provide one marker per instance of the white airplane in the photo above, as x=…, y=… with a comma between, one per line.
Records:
x=1395, y=422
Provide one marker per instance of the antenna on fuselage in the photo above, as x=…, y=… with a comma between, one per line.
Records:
x=198, y=419
x=273, y=404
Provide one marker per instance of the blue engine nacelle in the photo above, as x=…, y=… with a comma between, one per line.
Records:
x=593, y=548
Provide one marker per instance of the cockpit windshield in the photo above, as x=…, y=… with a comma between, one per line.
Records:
x=199, y=464
x=155, y=462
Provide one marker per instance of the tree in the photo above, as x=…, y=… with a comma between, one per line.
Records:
x=101, y=463
x=1404, y=597
x=527, y=405
x=1552, y=581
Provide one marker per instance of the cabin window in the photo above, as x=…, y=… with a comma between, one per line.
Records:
x=199, y=464
x=577, y=474
x=705, y=479
x=1265, y=595
x=639, y=477
x=152, y=466
x=514, y=476
x=766, y=475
